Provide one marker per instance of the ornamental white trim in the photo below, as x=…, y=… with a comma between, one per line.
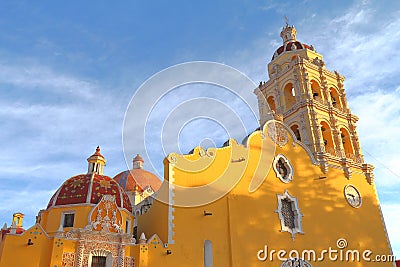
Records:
x=102, y=253
x=277, y=133
x=283, y=168
x=289, y=214
x=295, y=262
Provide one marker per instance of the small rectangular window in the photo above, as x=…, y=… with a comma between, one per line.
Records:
x=69, y=220
x=127, y=227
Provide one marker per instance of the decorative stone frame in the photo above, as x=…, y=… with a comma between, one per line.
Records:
x=297, y=214
x=62, y=220
x=289, y=168
x=295, y=262
x=104, y=253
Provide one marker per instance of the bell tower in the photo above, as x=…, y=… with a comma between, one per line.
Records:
x=311, y=100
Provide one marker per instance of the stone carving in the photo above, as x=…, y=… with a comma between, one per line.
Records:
x=93, y=242
x=277, y=133
x=70, y=234
x=106, y=216
x=68, y=259
x=295, y=263
x=129, y=262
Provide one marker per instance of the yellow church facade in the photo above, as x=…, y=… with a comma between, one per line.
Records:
x=297, y=192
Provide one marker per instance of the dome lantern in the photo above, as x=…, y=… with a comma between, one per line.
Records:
x=96, y=162
x=288, y=34
x=138, y=162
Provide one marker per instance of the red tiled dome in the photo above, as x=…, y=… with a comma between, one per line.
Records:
x=76, y=189
x=128, y=180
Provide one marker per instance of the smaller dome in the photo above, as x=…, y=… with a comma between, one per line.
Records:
x=137, y=180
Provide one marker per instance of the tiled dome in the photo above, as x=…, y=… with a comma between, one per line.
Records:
x=291, y=46
x=89, y=188
x=137, y=179
x=128, y=180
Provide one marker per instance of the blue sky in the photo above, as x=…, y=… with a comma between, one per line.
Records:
x=68, y=72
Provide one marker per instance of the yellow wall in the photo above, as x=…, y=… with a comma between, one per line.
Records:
x=17, y=253
x=48, y=248
x=51, y=218
x=242, y=223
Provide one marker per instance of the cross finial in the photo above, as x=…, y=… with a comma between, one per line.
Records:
x=287, y=20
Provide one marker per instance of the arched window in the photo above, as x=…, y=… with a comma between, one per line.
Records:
x=295, y=129
x=316, y=90
x=208, y=256
x=289, y=94
x=327, y=137
x=271, y=103
x=335, y=98
x=346, y=141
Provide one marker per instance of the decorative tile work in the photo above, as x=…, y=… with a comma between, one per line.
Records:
x=59, y=243
x=68, y=259
x=129, y=262
x=35, y=232
x=75, y=190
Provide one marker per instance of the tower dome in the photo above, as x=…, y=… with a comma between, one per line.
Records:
x=90, y=187
x=290, y=42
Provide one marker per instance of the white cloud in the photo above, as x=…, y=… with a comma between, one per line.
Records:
x=361, y=46
x=23, y=201
x=36, y=77
x=379, y=129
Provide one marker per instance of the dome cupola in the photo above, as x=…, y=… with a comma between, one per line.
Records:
x=138, y=162
x=288, y=34
x=96, y=162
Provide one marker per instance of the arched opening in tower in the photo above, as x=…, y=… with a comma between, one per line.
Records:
x=327, y=138
x=289, y=94
x=346, y=141
x=295, y=129
x=316, y=90
x=335, y=98
x=271, y=103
